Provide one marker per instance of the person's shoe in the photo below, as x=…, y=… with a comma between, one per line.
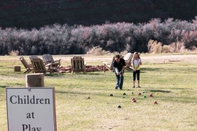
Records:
x=133, y=86
x=139, y=87
x=116, y=87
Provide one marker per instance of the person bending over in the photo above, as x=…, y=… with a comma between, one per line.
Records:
x=118, y=66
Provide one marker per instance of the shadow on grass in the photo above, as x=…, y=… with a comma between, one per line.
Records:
x=54, y=75
x=143, y=70
x=65, y=92
x=88, y=73
x=151, y=69
x=178, y=99
x=162, y=91
x=2, y=86
x=181, y=88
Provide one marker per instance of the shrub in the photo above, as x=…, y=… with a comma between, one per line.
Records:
x=109, y=37
x=97, y=51
x=14, y=53
x=157, y=48
x=151, y=45
x=166, y=49
x=176, y=46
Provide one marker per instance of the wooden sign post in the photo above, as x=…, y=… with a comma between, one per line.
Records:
x=31, y=109
x=35, y=80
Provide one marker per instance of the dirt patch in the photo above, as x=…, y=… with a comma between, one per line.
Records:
x=163, y=58
x=170, y=58
x=149, y=59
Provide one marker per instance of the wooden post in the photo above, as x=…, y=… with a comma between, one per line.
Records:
x=35, y=80
x=104, y=66
x=17, y=68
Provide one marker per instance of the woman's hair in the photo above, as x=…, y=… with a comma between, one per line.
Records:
x=137, y=55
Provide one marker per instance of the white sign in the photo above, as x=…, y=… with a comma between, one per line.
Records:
x=31, y=109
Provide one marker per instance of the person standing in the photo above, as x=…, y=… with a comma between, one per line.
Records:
x=119, y=65
x=136, y=62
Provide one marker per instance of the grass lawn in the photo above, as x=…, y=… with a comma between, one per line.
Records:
x=173, y=85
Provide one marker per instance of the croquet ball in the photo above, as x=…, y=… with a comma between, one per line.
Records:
x=119, y=106
x=88, y=97
x=155, y=102
x=144, y=96
x=134, y=101
x=132, y=92
x=111, y=94
x=143, y=92
x=151, y=95
x=123, y=96
x=124, y=93
x=139, y=93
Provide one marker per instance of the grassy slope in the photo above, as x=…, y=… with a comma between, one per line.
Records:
x=172, y=84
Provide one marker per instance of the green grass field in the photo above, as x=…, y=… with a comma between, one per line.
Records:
x=173, y=84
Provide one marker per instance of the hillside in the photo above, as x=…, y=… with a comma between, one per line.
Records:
x=37, y=13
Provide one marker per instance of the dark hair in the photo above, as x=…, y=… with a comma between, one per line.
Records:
x=117, y=56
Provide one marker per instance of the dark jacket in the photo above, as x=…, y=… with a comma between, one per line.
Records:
x=119, y=65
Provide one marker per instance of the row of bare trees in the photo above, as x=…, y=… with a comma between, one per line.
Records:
x=62, y=39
